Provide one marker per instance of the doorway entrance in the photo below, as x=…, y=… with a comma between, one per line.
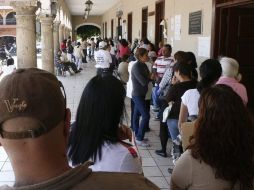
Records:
x=144, y=22
x=159, y=16
x=130, y=27
x=234, y=37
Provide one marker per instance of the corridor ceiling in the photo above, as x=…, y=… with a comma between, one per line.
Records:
x=77, y=7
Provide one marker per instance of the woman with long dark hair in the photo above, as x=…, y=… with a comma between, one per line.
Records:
x=221, y=154
x=95, y=134
x=210, y=71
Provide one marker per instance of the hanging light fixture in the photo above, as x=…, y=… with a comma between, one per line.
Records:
x=89, y=5
x=86, y=14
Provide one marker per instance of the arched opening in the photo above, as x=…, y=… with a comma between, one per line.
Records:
x=10, y=43
x=1, y=20
x=87, y=31
x=11, y=18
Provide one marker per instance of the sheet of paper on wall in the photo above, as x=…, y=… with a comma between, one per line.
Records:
x=172, y=42
x=177, y=27
x=172, y=23
x=204, y=44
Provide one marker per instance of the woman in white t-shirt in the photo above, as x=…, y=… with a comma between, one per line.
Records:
x=96, y=134
x=210, y=71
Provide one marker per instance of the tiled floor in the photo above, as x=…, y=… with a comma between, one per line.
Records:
x=154, y=166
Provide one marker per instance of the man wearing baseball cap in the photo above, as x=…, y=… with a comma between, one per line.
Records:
x=34, y=128
x=103, y=59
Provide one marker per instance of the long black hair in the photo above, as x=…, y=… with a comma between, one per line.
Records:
x=98, y=117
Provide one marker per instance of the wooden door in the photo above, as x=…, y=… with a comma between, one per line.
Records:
x=112, y=28
x=235, y=38
x=130, y=27
x=159, y=16
x=144, y=22
x=119, y=29
x=106, y=30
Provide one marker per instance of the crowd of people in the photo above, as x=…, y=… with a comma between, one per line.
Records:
x=98, y=151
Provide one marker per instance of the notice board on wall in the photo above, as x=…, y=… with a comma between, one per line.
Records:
x=195, y=22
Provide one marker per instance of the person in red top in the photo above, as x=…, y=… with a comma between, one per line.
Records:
x=63, y=45
x=123, y=49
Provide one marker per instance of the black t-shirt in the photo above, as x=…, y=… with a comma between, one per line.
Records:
x=175, y=93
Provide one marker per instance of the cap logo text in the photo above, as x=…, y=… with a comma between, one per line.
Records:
x=15, y=105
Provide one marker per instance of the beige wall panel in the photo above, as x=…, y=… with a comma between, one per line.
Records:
x=134, y=7
x=172, y=8
x=79, y=21
x=183, y=8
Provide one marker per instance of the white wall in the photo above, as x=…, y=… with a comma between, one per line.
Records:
x=184, y=7
x=172, y=7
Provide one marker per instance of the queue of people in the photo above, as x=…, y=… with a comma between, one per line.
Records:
x=101, y=150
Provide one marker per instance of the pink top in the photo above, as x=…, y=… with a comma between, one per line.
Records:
x=123, y=51
x=236, y=86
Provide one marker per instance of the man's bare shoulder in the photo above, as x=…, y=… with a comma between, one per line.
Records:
x=113, y=180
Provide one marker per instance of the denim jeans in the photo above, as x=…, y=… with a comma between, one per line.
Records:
x=140, y=108
x=132, y=112
x=173, y=128
x=155, y=97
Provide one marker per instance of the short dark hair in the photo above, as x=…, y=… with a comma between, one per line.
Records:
x=180, y=56
x=210, y=71
x=140, y=52
x=125, y=57
x=124, y=42
x=168, y=46
x=184, y=68
x=98, y=117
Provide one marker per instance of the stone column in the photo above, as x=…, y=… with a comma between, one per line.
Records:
x=61, y=33
x=56, y=36
x=4, y=20
x=25, y=33
x=65, y=33
x=47, y=52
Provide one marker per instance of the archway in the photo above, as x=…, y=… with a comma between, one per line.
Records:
x=11, y=19
x=88, y=30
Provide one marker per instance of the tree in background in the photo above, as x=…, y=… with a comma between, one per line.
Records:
x=88, y=31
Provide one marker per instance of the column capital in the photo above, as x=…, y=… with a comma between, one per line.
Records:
x=46, y=19
x=57, y=22
x=56, y=25
x=27, y=7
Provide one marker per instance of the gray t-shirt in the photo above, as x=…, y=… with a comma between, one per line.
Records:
x=140, y=79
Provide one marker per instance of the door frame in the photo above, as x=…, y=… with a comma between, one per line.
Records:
x=217, y=6
x=129, y=26
x=158, y=20
x=142, y=22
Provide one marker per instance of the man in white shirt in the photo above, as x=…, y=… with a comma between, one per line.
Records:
x=103, y=59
